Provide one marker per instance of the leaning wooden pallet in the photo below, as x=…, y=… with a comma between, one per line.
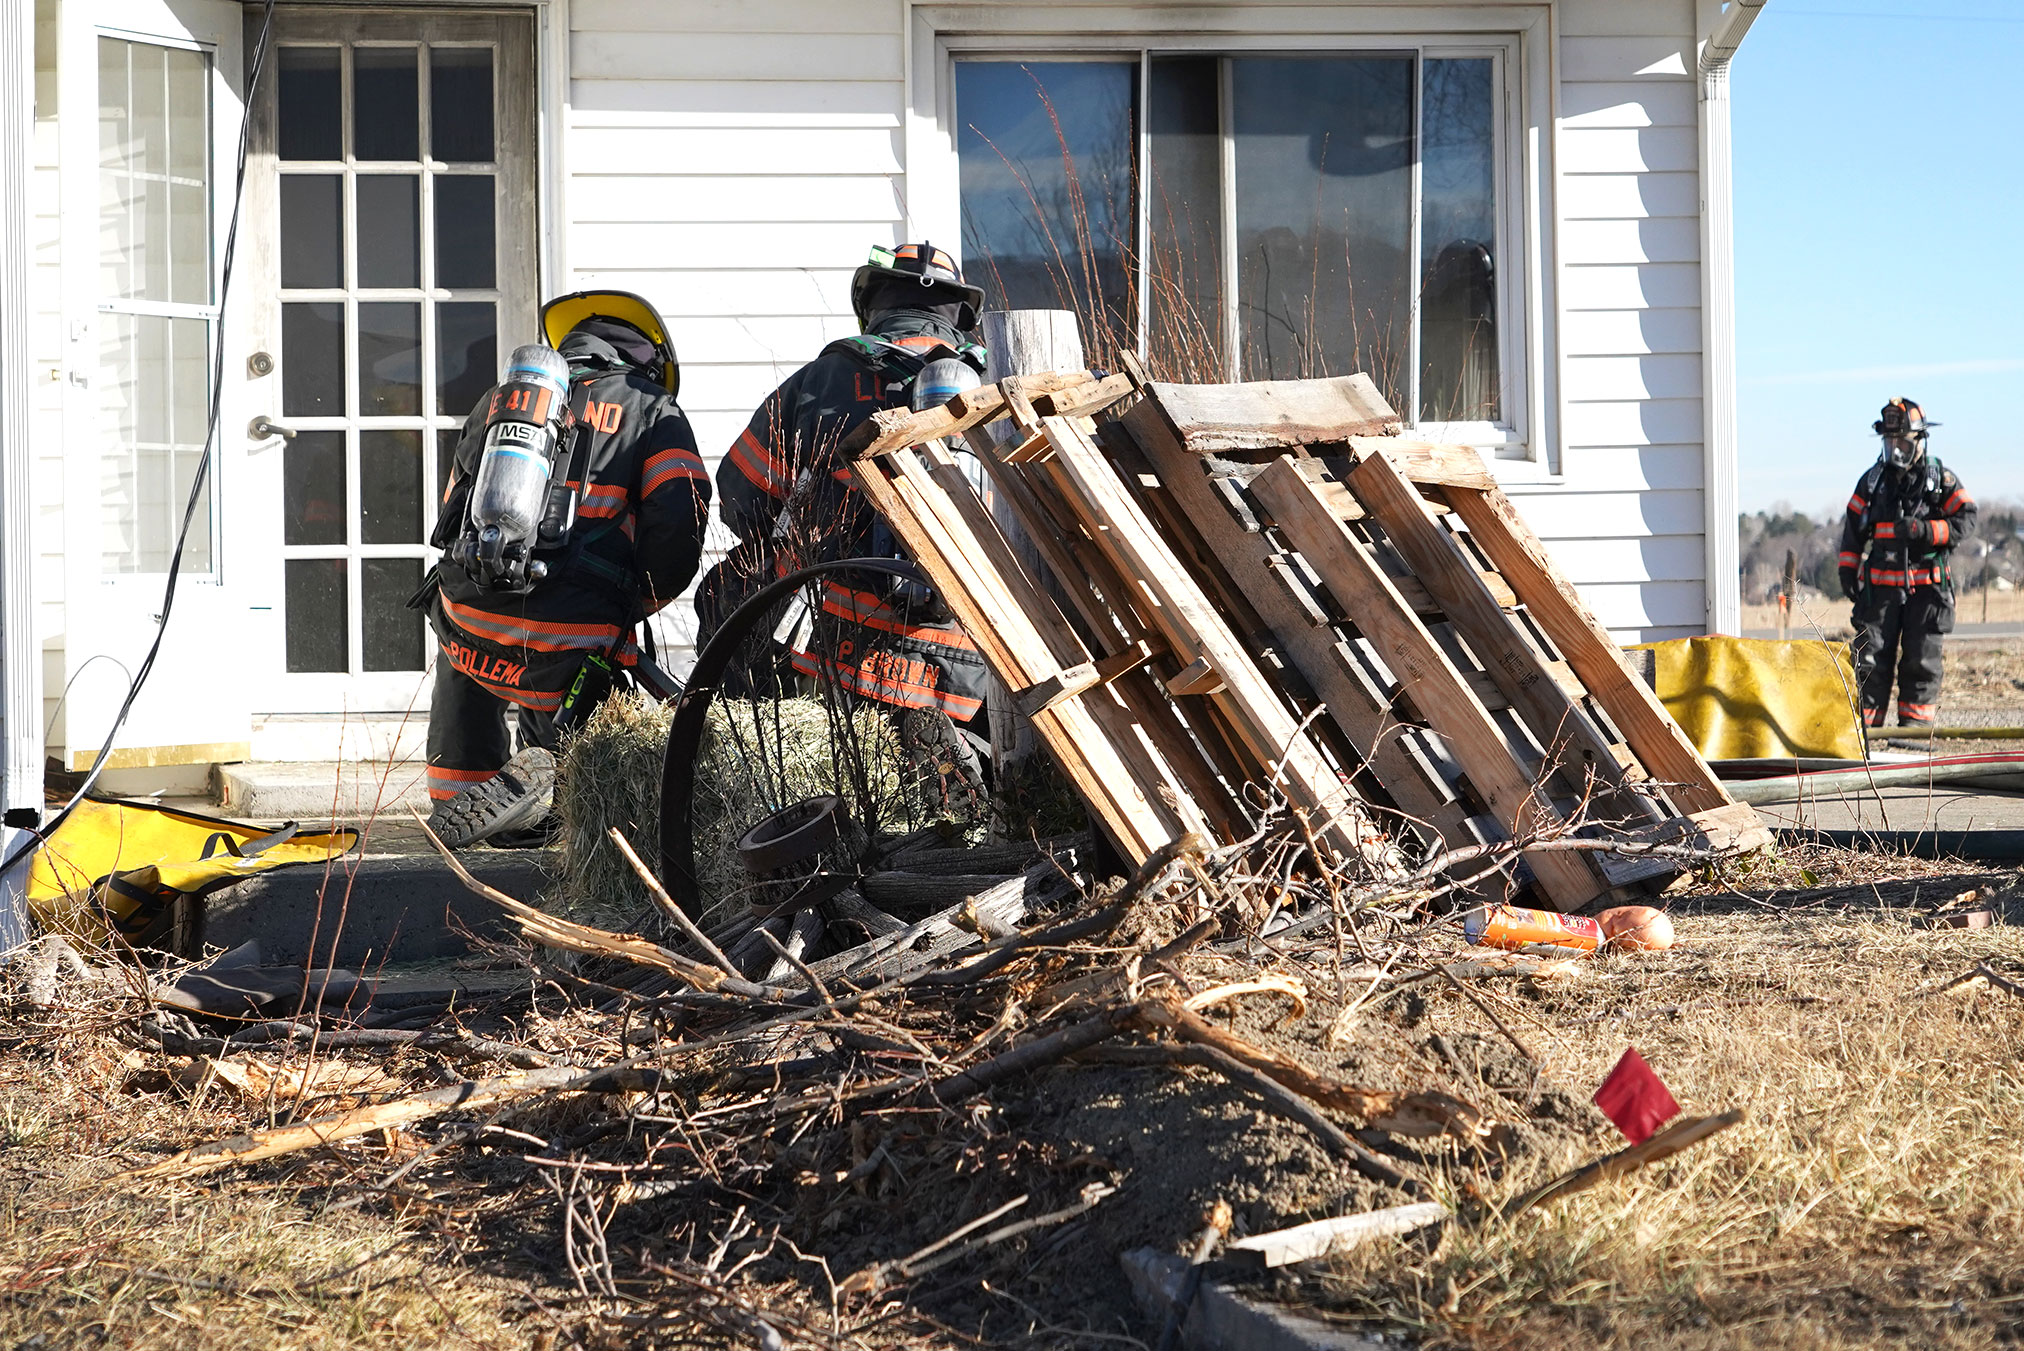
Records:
x=1144, y=768
x=1519, y=705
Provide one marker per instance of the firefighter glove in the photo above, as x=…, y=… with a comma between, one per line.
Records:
x=1848, y=582
x=1915, y=532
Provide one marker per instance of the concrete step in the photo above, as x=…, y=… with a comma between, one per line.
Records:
x=322, y=790
x=393, y=900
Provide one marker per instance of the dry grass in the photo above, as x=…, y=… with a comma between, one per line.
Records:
x=1831, y=613
x=87, y=1259
x=1873, y=1197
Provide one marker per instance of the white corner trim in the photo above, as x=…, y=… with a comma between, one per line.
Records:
x=1720, y=496
x=21, y=748
x=551, y=165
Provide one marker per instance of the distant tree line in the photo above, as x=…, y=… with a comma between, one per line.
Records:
x=1994, y=556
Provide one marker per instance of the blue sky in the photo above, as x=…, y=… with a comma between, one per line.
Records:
x=1879, y=171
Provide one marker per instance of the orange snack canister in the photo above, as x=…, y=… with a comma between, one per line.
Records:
x=1544, y=932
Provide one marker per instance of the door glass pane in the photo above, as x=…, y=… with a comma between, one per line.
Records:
x=189, y=140
x=1184, y=198
x=1047, y=152
x=1458, y=243
x=312, y=358
x=460, y=104
x=466, y=236
x=313, y=594
x=312, y=230
x=393, y=632
x=154, y=173
x=1324, y=154
x=153, y=383
x=385, y=104
x=309, y=96
x=153, y=402
x=312, y=489
x=390, y=487
x=467, y=354
x=389, y=358
x=389, y=230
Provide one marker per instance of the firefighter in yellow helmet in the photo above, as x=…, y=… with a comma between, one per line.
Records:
x=1904, y=520
x=517, y=625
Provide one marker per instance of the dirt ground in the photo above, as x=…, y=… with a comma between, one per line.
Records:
x=1871, y=1198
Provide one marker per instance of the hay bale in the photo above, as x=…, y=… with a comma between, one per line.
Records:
x=610, y=776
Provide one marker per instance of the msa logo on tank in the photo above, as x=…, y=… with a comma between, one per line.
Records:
x=525, y=497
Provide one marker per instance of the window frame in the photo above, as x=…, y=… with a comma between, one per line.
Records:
x=1524, y=446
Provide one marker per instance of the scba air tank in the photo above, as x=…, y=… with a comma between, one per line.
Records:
x=942, y=380
x=522, y=431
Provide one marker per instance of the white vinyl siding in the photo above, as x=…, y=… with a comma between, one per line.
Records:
x=733, y=162
x=1625, y=520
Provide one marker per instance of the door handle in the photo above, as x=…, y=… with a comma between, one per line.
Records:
x=263, y=428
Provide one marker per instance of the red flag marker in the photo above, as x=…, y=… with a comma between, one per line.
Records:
x=1635, y=1098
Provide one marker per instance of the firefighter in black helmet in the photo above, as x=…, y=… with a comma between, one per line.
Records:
x=782, y=494
x=642, y=501
x=1908, y=512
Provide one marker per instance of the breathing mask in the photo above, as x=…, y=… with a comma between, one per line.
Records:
x=1903, y=427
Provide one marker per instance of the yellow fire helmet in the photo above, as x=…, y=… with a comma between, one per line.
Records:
x=564, y=313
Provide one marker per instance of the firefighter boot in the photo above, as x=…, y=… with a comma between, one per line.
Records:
x=514, y=798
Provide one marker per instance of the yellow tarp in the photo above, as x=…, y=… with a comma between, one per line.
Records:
x=1759, y=698
x=119, y=866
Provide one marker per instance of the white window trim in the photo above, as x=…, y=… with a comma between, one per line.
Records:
x=1520, y=34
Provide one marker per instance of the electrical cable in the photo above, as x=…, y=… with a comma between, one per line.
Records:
x=200, y=486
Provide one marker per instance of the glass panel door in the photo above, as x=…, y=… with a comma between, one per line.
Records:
x=149, y=112
x=401, y=264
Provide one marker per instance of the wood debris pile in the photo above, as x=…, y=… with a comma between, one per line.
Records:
x=709, y=1134
x=1319, y=687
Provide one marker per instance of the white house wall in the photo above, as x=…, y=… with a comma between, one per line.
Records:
x=733, y=161
x=1626, y=519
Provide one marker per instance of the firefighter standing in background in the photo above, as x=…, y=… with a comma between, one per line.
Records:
x=1910, y=512
x=785, y=494
x=643, y=504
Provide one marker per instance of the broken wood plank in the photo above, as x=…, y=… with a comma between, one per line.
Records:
x=1051, y=691
x=1555, y=606
x=1197, y=677
x=1435, y=685
x=1732, y=828
x=1272, y=414
x=892, y=429
x=1319, y=1238
x=1084, y=400
x=1668, y=1142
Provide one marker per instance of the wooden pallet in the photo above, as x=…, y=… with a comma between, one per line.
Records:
x=1428, y=621
x=1363, y=621
x=1151, y=704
